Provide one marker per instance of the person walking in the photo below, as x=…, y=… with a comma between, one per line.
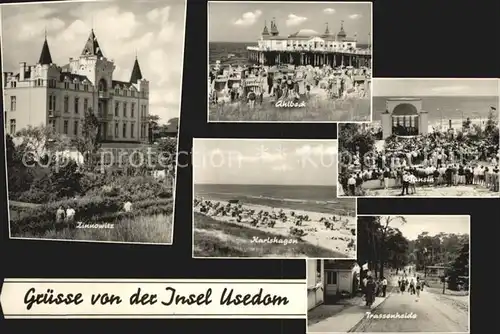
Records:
x=419, y=287
x=406, y=184
x=351, y=183
x=412, y=287
x=370, y=292
x=60, y=215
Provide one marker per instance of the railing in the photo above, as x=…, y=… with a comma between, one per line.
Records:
x=319, y=49
x=105, y=116
x=103, y=94
x=54, y=113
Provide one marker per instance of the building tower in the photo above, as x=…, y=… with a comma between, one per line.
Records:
x=274, y=28
x=327, y=31
x=341, y=35
x=265, y=32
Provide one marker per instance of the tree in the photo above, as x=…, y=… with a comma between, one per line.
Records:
x=384, y=222
x=491, y=124
x=353, y=138
x=380, y=244
x=39, y=141
x=88, y=144
x=459, y=268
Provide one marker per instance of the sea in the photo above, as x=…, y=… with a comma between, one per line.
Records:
x=474, y=107
x=237, y=50
x=310, y=198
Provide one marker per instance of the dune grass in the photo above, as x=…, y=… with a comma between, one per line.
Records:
x=142, y=229
x=213, y=238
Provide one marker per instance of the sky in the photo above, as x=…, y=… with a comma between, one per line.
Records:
x=265, y=161
x=432, y=224
x=243, y=22
x=435, y=87
x=152, y=28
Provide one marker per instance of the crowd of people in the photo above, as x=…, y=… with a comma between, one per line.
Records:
x=292, y=83
x=436, y=159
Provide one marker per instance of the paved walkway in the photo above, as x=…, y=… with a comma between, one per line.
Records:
x=347, y=317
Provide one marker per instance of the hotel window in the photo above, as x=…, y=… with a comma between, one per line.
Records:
x=13, y=103
x=66, y=104
x=331, y=277
x=125, y=92
x=52, y=123
x=52, y=83
x=39, y=82
x=85, y=105
x=116, y=129
x=124, y=130
x=132, y=130
x=77, y=100
x=66, y=85
x=65, y=130
x=52, y=102
x=75, y=128
x=117, y=108
x=117, y=91
x=124, y=109
x=86, y=88
x=133, y=94
x=77, y=86
x=13, y=84
x=12, y=126
x=143, y=94
x=132, y=110
x=142, y=131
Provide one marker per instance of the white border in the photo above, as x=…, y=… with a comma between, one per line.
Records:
x=289, y=2
x=404, y=215
x=174, y=186
x=420, y=196
x=258, y=257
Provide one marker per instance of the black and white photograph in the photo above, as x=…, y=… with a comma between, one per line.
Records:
x=429, y=138
x=411, y=274
x=274, y=198
x=292, y=62
x=91, y=108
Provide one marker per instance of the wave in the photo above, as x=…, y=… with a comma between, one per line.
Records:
x=294, y=200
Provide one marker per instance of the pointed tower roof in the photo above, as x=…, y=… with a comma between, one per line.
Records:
x=45, y=57
x=274, y=28
x=327, y=31
x=265, y=32
x=136, y=72
x=92, y=47
x=341, y=33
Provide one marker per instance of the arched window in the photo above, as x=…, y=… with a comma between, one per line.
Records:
x=103, y=86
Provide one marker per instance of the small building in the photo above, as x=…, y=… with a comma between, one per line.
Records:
x=328, y=280
x=404, y=117
x=315, y=278
x=434, y=271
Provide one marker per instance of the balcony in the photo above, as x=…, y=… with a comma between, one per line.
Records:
x=103, y=94
x=105, y=117
x=54, y=113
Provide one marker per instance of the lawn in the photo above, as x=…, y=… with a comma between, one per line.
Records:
x=139, y=229
x=214, y=238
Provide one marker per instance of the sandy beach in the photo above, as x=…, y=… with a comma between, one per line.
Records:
x=338, y=237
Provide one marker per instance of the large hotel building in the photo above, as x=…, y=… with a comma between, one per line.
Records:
x=47, y=94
